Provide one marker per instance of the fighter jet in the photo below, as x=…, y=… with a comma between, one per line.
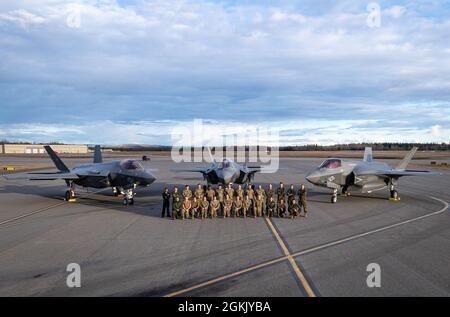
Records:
x=366, y=176
x=225, y=172
x=122, y=176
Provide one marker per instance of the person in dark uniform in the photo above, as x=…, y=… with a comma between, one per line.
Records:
x=166, y=203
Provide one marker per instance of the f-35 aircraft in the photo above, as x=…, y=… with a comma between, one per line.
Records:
x=122, y=176
x=225, y=172
x=366, y=176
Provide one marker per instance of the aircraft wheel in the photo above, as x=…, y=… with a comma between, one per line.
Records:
x=394, y=194
x=68, y=195
x=333, y=199
x=126, y=201
x=131, y=201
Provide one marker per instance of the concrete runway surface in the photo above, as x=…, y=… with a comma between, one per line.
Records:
x=131, y=251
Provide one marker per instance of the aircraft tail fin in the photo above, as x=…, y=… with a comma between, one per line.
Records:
x=404, y=163
x=56, y=160
x=98, y=154
x=368, y=157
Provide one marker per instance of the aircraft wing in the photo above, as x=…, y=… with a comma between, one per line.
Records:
x=397, y=173
x=43, y=176
x=191, y=170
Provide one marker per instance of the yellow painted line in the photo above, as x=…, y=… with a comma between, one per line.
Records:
x=225, y=277
x=291, y=260
x=317, y=248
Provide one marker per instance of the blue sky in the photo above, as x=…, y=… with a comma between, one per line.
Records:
x=131, y=70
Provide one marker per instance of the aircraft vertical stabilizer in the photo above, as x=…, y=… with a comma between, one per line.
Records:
x=98, y=154
x=368, y=154
x=404, y=163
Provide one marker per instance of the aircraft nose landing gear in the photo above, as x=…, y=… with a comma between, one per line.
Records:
x=334, y=196
x=129, y=198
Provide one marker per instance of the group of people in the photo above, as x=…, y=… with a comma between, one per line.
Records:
x=227, y=202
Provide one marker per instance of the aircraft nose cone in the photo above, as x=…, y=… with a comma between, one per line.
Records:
x=312, y=177
x=228, y=176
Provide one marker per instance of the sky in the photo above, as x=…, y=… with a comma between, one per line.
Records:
x=325, y=72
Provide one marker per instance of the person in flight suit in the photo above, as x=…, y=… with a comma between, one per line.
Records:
x=261, y=192
x=230, y=191
x=166, y=203
x=175, y=195
x=195, y=207
x=246, y=206
x=269, y=193
x=187, y=208
x=205, y=207
x=199, y=193
x=215, y=206
x=270, y=212
x=281, y=208
x=221, y=197
x=237, y=207
x=176, y=208
x=302, y=199
x=291, y=194
x=228, y=204
x=294, y=209
x=187, y=193
x=240, y=192
x=210, y=193
x=281, y=193
x=251, y=195
x=259, y=205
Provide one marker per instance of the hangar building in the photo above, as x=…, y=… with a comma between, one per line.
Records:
x=39, y=148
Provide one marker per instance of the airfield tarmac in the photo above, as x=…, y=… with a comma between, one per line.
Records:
x=131, y=251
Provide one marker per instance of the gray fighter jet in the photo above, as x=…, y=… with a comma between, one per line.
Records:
x=366, y=176
x=122, y=176
x=225, y=172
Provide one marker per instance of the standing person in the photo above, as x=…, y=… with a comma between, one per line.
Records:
x=251, y=195
x=195, y=207
x=176, y=209
x=240, y=192
x=281, y=208
x=291, y=194
x=187, y=208
x=246, y=205
x=215, y=206
x=302, y=199
x=221, y=198
x=281, y=194
x=187, y=193
x=166, y=203
x=237, y=207
x=294, y=209
x=205, y=206
x=261, y=192
x=269, y=193
x=228, y=204
x=175, y=195
x=270, y=212
x=199, y=193
x=230, y=191
x=259, y=206
x=210, y=193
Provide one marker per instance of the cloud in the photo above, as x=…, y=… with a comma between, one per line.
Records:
x=268, y=62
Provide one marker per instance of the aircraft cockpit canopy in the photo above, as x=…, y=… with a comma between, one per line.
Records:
x=225, y=164
x=130, y=165
x=331, y=163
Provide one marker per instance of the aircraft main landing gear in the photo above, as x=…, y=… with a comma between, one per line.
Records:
x=70, y=193
x=394, y=193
